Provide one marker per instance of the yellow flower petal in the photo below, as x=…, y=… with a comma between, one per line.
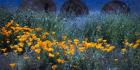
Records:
x=12, y=65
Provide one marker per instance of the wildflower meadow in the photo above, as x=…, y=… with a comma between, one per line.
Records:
x=39, y=41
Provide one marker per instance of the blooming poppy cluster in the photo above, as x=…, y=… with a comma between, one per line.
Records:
x=133, y=45
x=28, y=40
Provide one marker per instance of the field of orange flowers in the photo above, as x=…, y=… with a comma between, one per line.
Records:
x=60, y=51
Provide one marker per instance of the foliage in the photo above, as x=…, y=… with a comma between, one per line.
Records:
x=104, y=42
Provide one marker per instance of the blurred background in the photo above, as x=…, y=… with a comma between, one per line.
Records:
x=93, y=5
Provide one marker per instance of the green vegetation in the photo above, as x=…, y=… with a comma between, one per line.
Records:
x=107, y=41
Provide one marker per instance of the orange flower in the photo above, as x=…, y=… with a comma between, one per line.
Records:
x=33, y=36
x=76, y=41
x=98, y=46
x=21, y=44
x=38, y=51
x=43, y=36
x=17, y=25
x=29, y=43
x=54, y=67
x=40, y=43
x=89, y=45
x=135, y=46
x=22, y=39
x=30, y=39
x=81, y=49
x=8, y=24
x=138, y=41
x=48, y=43
x=5, y=31
x=51, y=55
x=60, y=61
x=26, y=34
x=54, y=42
x=36, y=45
x=62, y=45
x=19, y=49
x=50, y=49
x=33, y=48
x=46, y=33
x=72, y=49
x=12, y=65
